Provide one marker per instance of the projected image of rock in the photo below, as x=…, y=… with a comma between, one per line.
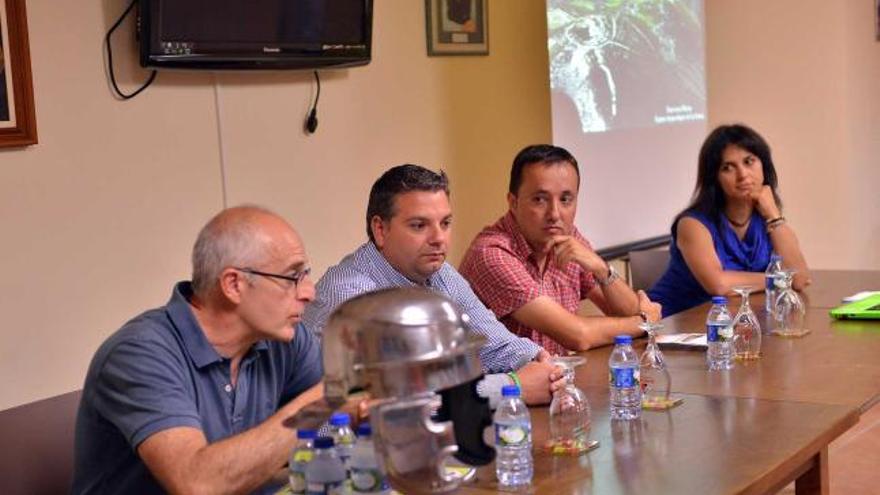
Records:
x=628, y=63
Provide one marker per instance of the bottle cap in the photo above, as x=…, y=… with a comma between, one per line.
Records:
x=340, y=419
x=324, y=443
x=775, y=257
x=364, y=430
x=623, y=339
x=510, y=391
x=306, y=434
x=719, y=300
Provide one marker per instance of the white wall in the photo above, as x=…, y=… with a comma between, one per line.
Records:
x=96, y=218
x=100, y=216
x=805, y=74
x=862, y=72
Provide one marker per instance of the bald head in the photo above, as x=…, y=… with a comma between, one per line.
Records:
x=242, y=236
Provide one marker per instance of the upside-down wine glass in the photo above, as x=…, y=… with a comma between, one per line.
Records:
x=654, y=375
x=788, y=309
x=746, y=328
x=569, y=412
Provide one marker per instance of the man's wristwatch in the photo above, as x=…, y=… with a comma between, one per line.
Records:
x=612, y=276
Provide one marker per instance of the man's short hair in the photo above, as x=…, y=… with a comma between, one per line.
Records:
x=539, y=153
x=398, y=180
x=227, y=240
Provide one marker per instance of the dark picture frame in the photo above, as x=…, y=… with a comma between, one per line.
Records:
x=18, y=122
x=877, y=20
x=457, y=27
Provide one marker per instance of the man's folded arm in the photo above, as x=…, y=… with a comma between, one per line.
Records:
x=574, y=332
x=503, y=350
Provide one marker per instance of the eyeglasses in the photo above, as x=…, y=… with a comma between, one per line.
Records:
x=296, y=278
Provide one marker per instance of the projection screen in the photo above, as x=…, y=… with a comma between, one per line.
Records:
x=628, y=99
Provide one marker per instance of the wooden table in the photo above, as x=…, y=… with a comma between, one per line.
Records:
x=837, y=363
x=752, y=429
x=707, y=445
x=829, y=286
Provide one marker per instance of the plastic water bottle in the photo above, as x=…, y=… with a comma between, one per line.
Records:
x=719, y=333
x=513, y=439
x=325, y=475
x=300, y=457
x=770, y=291
x=343, y=437
x=367, y=471
x=623, y=365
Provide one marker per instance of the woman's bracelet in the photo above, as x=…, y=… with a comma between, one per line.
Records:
x=776, y=222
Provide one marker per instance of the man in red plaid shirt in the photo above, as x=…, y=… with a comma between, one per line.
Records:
x=532, y=268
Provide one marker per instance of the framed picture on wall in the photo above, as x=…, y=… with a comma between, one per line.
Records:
x=18, y=123
x=877, y=20
x=457, y=27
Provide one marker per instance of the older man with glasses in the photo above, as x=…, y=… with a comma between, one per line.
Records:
x=190, y=397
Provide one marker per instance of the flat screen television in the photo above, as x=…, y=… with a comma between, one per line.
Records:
x=255, y=34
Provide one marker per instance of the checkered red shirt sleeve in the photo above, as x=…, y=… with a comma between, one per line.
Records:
x=499, y=278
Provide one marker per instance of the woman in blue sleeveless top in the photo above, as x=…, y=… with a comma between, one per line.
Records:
x=724, y=238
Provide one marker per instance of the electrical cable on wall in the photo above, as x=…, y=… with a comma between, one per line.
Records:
x=311, y=124
x=115, y=86
x=218, y=112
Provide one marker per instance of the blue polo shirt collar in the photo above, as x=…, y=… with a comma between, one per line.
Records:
x=180, y=313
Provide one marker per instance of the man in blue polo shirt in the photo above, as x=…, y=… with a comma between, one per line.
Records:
x=190, y=397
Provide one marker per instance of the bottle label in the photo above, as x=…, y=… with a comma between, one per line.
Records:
x=718, y=332
x=297, y=482
x=623, y=377
x=368, y=481
x=344, y=439
x=513, y=434
x=332, y=488
x=304, y=456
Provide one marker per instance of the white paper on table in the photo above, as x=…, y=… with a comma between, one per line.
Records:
x=683, y=341
x=858, y=296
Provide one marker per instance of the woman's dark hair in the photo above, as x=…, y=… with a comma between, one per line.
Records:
x=708, y=197
x=399, y=180
x=538, y=153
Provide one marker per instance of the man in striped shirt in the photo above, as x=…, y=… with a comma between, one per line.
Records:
x=408, y=225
